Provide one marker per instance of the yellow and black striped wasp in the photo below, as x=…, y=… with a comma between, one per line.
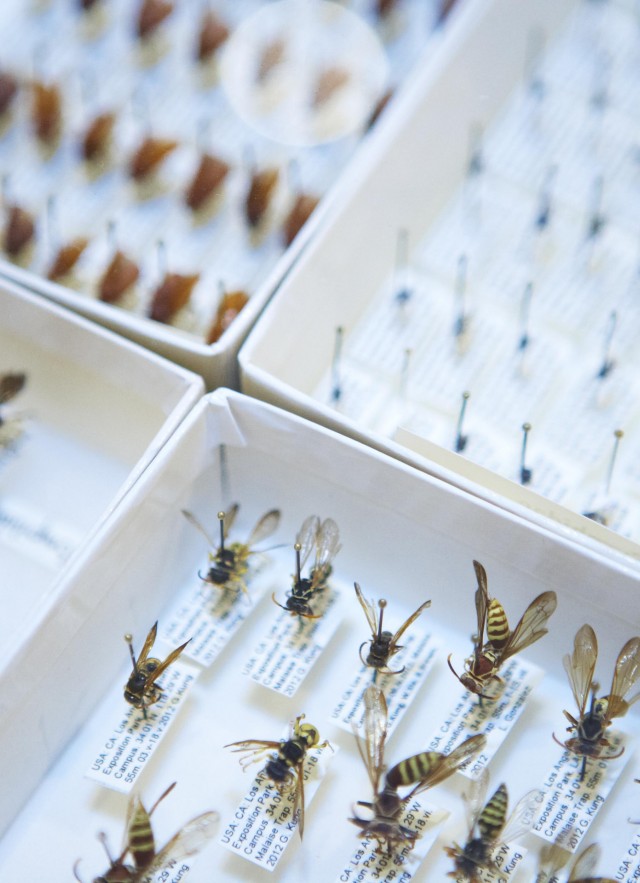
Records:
x=482, y=667
x=324, y=538
x=596, y=716
x=141, y=689
x=10, y=427
x=139, y=860
x=229, y=563
x=383, y=644
x=489, y=827
x=285, y=767
x=421, y=771
x=553, y=858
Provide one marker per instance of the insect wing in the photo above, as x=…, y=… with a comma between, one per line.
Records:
x=581, y=665
x=369, y=611
x=375, y=734
x=522, y=817
x=482, y=605
x=625, y=675
x=155, y=674
x=298, y=801
x=191, y=518
x=475, y=797
x=585, y=863
x=148, y=644
x=307, y=536
x=267, y=525
x=405, y=625
x=532, y=624
x=444, y=765
x=188, y=841
x=230, y=517
x=328, y=544
x=10, y=386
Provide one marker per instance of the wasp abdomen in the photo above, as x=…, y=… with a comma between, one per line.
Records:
x=492, y=818
x=497, y=625
x=413, y=769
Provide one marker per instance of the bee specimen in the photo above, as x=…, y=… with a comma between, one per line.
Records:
x=553, y=858
x=10, y=428
x=481, y=668
x=228, y=564
x=421, y=771
x=488, y=827
x=325, y=539
x=285, y=767
x=141, y=689
x=593, y=719
x=383, y=644
x=139, y=844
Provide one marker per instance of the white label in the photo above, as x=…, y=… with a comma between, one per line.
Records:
x=399, y=690
x=210, y=617
x=494, y=718
x=506, y=858
x=286, y=654
x=29, y=532
x=172, y=872
x=264, y=822
x=629, y=868
x=131, y=744
x=369, y=864
x=570, y=805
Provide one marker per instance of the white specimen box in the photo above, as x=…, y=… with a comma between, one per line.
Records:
x=405, y=179
x=407, y=536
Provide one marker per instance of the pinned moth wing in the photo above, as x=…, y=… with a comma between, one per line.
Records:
x=173, y=293
x=300, y=212
x=19, y=231
x=8, y=91
x=149, y=155
x=46, y=112
x=151, y=15
x=97, y=137
x=260, y=194
x=67, y=257
x=212, y=34
x=208, y=178
x=119, y=276
x=231, y=303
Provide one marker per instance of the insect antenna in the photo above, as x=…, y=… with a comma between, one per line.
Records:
x=75, y=871
x=162, y=796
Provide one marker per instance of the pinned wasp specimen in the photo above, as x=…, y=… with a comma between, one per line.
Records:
x=10, y=427
x=229, y=564
x=421, y=771
x=139, y=860
x=285, y=767
x=596, y=716
x=325, y=539
x=481, y=668
x=489, y=827
x=141, y=689
x=383, y=644
x=553, y=858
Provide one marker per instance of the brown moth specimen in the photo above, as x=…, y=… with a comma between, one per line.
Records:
x=489, y=827
x=383, y=644
x=67, y=257
x=139, y=862
x=46, y=112
x=8, y=90
x=261, y=191
x=208, y=177
x=501, y=643
x=213, y=33
x=152, y=14
x=19, y=230
x=421, y=771
x=141, y=689
x=596, y=716
x=299, y=214
x=149, y=155
x=324, y=538
x=285, y=767
x=172, y=295
x=97, y=138
x=120, y=275
x=229, y=562
x=230, y=305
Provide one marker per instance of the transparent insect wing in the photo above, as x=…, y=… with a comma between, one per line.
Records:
x=155, y=674
x=369, y=610
x=230, y=517
x=522, y=817
x=405, y=625
x=328, y=543
x=298, y=801
x=375, y=734
x=447, y=764
x=267, y=525
x=475, y=797
x=191, y=518
x=552, y=859
x=625, y=676
x=581, y=665
x=482, y=604
x=532, y=624
x=307, y=537
x=188, y=841
x=585, y=864
x=148, y=644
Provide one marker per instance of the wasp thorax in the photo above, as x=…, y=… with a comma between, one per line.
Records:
x=310, y=734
